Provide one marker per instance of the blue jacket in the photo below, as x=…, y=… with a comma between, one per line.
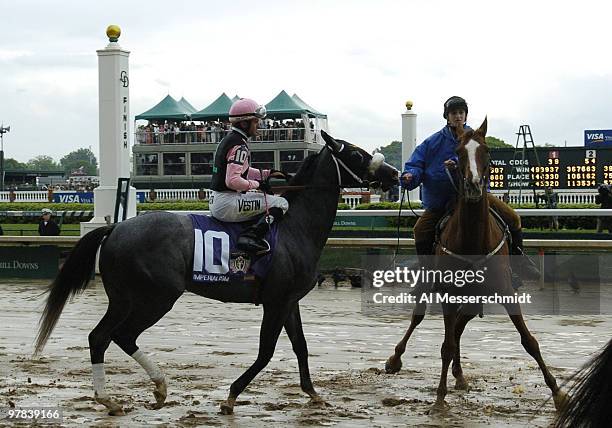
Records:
x=427, y=167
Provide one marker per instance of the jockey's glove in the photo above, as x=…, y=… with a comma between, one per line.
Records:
x=265, y=187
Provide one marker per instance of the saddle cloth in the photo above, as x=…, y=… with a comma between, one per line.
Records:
x=215, y=241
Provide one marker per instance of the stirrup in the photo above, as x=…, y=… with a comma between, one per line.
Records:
x=249, y=249
x=267, y=250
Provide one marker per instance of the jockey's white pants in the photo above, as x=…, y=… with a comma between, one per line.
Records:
x=234, y=207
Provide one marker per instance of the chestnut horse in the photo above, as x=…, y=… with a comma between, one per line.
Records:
x=472, y=236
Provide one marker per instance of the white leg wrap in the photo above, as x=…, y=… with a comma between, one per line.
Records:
x=98, y=379
x=150, y=367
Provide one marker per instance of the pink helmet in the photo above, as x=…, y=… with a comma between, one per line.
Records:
x=245, y=109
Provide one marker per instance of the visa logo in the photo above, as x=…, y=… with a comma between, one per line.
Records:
x=599, y=136
x=69, y=198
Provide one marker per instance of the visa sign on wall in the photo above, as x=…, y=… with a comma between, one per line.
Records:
x=86, y=197
x=598, y=137
x=74, y=197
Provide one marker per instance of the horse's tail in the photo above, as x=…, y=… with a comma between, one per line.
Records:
x=72, y=279
x=590, y=395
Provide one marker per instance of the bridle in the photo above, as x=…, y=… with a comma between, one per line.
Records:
x=340, y=164
x=505, y=230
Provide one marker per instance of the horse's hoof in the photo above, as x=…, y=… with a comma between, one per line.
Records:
x=114, y=409
x=317, y=401
x=393, y=365
x=438, y=407
x=560, y=399
x=461, y=383
x=116, y=412
x=227, y=409
x=160, y=393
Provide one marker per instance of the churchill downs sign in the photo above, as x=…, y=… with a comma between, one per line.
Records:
x=29, y=262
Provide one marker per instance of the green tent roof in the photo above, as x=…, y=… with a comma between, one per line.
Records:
x=219, y=108
x=285, y=107
x=307, y=107
x=166, y=109
x=236, y=98
x=186, y=105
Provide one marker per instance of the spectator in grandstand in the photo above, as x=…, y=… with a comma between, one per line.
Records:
x=47, y=227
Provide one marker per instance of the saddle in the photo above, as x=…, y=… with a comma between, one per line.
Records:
x=446, y=217
x=217, y=261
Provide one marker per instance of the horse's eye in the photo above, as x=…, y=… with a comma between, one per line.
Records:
x=357, y=157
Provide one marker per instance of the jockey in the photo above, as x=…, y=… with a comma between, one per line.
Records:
x=427, y=166
x=234, y=182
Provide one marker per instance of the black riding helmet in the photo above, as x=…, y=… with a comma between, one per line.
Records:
x=454, y=103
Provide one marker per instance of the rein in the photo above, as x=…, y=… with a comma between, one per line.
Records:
x=484, y=259
x=339, y=164
x=505, y=235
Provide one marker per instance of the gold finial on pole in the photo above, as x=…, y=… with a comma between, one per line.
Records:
x=113, y=32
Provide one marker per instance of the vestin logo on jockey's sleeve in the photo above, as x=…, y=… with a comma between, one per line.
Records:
x=249, y=205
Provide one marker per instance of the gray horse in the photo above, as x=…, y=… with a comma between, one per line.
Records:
x=146, y=265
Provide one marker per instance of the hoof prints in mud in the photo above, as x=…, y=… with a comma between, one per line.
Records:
x=194, y=419
x=201, y=365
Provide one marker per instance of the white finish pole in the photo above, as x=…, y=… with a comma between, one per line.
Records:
x=409, y=123
x=114, y=129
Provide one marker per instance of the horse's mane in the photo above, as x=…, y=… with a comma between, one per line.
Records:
x=303, y=176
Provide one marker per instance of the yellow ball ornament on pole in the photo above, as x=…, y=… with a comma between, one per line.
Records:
x=113, y=32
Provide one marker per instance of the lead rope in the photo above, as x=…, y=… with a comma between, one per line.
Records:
x=399, y=218
x=268, y=220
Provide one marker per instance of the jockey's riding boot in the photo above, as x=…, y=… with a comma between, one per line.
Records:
x=521, y=264
x=252, y=239
x=424, y=250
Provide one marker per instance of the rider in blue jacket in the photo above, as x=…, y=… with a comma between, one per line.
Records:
x=427, y=167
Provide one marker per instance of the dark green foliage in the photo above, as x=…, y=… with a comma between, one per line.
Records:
x=80, y=158
x=496, y=143
x=393, y=154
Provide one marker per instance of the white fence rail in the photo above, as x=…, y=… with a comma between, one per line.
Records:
x=25, y=196
x=565, y=196
x=350, y=198
x=406, y=212
x=177, y=194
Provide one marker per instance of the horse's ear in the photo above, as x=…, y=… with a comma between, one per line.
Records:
x=483, y=128
x=331, y=142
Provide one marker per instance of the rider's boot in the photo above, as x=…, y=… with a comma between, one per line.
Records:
x=252, y=239
x=424, y=250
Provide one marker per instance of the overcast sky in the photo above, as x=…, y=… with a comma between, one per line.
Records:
x=543, y=63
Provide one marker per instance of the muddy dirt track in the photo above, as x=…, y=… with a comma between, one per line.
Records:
x=202, y=346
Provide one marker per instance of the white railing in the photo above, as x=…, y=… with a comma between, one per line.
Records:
x=177, y=194
x=565, y=196
x=351, y=198
x=354, y=199
x=25, y=196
